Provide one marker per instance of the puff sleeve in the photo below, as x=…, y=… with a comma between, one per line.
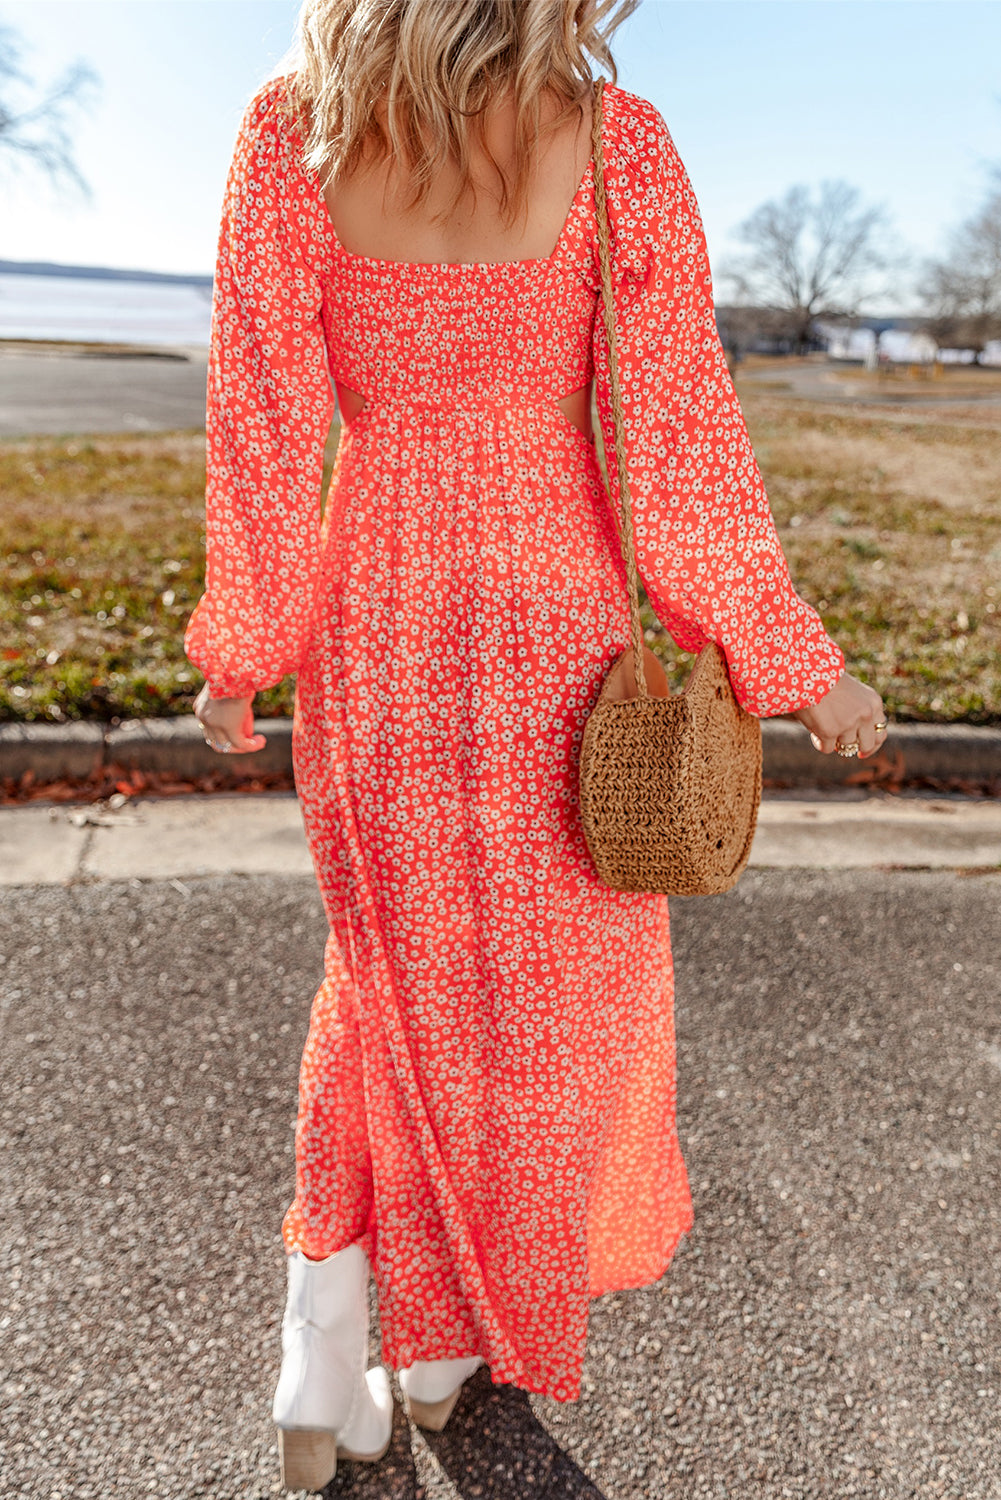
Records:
x=269, y=405
x=706, y=544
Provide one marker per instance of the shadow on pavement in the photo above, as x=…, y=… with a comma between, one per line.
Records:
x=494, y=1448
x=394, y=1477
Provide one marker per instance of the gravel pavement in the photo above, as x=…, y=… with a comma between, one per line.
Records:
x=829, y=1328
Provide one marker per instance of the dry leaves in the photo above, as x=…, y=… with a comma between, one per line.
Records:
x=115, y=785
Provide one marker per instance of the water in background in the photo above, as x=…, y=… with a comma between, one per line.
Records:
x=103, y=310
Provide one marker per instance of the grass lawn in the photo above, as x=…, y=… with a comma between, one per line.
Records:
x=889, y=516
x=891, y=522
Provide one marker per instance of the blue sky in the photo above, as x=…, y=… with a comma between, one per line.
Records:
x=900, y=97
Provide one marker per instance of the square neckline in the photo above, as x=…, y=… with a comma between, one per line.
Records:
x=533, y=262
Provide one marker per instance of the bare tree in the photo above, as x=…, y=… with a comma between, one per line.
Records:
x=38, y=132
x=808, y=257
x=962, y=291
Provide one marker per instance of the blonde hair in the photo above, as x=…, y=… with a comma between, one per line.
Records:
x=413, y=79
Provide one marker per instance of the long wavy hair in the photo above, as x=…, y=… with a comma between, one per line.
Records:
x=413, y=80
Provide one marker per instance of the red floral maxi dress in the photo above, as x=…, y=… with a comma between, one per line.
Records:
x=487, y=1090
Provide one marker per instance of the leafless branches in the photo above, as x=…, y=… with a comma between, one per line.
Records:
x=962, y=291
x=38, y=134
x=809, y=256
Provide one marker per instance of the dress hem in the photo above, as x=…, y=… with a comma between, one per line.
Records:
x=569, y=1391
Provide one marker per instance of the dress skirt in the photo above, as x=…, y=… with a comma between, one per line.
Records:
x=487, y=1092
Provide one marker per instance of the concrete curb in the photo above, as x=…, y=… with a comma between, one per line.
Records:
x=75, y=750
x=945, y=752
x=79, y=750
x=942, y=752
x=178, y=745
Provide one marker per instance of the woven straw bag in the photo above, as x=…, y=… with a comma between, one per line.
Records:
x=669, y=784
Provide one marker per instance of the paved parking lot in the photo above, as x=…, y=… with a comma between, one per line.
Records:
x=829, y=1328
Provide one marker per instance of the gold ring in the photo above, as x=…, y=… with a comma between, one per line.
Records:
x=880, y=725
x=848, y=750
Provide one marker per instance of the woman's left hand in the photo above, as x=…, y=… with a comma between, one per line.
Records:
x=228, y=723
x=851, y=708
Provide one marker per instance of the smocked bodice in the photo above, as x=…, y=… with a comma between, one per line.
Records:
x=476, y=334
x=484, y=352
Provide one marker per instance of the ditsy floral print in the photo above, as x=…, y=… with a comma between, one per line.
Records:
x=487, y=1095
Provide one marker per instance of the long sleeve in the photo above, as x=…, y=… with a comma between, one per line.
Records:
x=269, y=404
x=706, y=544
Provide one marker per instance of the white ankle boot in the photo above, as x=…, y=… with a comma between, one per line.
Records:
x=431, y=1388
x=326, y=1402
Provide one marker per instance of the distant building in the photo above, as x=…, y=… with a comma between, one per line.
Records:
x=859, y=345
x=864, y=341
x=899, y=346
x=896, y=341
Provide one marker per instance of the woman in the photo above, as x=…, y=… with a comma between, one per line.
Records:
x=487, y=1092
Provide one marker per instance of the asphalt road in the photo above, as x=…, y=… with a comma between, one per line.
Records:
x=829, y=1328
x=80, y=389
x=67, y=389
x=847, y=385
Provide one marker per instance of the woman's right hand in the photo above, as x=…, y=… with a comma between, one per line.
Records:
x=227, y=723
x=848, y=713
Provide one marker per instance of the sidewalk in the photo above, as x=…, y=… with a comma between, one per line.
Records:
x=151, y=838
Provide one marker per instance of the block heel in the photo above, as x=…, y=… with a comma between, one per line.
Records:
x=432, y=1387
x=431, y=1415
x=308, y=1459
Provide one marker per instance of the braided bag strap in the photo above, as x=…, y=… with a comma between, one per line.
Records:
x=627, y=536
